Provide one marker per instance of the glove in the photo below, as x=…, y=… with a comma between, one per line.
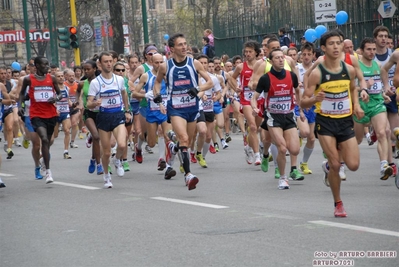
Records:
x=193, y=92
x=157, y=99
x=21, y=112
x=149, y=95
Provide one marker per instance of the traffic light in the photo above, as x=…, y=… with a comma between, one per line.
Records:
x=68, y=37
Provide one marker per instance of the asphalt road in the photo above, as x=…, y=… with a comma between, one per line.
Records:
x=235, y=217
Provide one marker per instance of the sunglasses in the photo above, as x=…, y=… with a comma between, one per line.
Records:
x=119, y=70
x=151, y=54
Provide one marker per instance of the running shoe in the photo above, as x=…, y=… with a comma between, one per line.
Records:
x=212, y=149
x=80, y=135
x=161, y=164
x=325, y=168
x=118, y=167
x=339, y=210
x=148, y=149
x=216, y=147
x=342, y=173
x=2, y=184
x=265, y=164
x=67, y=156
x=191, y=181
x=277, y=173
x=283, y=184
x=249, y=155
x=89, y=140
x=100, y=169
x=133, y=156
x=369, y=141
x=17, y=143
x=170, y=172
x=170, y=153
x=373, y=136
x=126, y=166
x=257, y=160
x=73, y=145
x=38, y=175
x=138, y=154
x=42, y=166
x=181, y=168
x=304, y=168
x=224, y=144
x=296, y=175
x=394, y=169
x=227, y=137
x=92, y=166
x=25, y=143
x=107, y=181
x=386, y=172
x=10, y=154
x=193, y=159
x=49, y=179
x=201, y=161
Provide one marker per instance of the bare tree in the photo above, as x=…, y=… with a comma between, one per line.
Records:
x=115, y=10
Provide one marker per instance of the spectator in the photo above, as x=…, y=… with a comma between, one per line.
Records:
x=208, y=33
x=208, y=49
x=284, y=40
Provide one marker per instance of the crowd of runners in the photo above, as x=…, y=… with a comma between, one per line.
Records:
x=184, y=104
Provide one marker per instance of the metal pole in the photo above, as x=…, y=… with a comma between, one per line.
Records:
x=26, y=26
x=50, y=26
x=134, y=24
x=56, y=59
x=145, y=23
x=15, y=45
x=74, y=21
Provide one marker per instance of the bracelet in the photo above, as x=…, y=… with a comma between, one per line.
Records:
x=366, y=90
x=127, y=111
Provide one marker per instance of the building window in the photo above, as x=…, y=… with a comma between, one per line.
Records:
x=151, y=4
x=6, y=4
x=169, y=4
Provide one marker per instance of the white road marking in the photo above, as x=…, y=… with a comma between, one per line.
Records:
x=190, y=203
x=77, y=186
x=357, y=228
x=6, y=174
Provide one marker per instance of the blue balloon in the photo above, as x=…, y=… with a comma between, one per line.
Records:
x=16, y=66
x=310, y=35
x=341, y=17
x=320, y=30
x=166, y=37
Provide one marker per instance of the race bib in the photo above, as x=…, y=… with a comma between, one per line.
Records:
x=43, y=94
x=183, y=101
x=248, y=94
x=376, y=88
x=63, y=107
x=280, y=105
x=111, y=99
x=208, y=105
x=336, y=104
x=154, y=106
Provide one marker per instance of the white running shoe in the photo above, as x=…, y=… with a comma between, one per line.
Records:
x=42, y=167
x=342, y=173
x=17, y=142
x=258, y=161
x=73, y=145
x=118, y=167
x=107, y=181
x=224, y=144
x=283, y=184
x=326, y=170
x=249, y=154
x=49, y=179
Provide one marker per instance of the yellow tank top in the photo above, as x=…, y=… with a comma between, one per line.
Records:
x=269, y=66
x=337, y=102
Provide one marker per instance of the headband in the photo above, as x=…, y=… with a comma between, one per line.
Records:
x=151, y=47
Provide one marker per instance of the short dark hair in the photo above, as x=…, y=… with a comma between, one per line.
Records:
x=273, y=51
x=380, y=29
x=268, y=36
x=327, y=35
x=282, y=30
x=202, y=56
x=292, y=48
x=272, y=39
x=206, y=39
x=235, y=58
x=254, y=45
x=90, y=62
x=308, y=46
x=366, y=40
x=171, y=41
x=53, y=66
x=39, y=60
x=103, y=54
x=113, y=54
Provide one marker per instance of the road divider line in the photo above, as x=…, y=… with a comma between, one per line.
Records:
x=194, y=203
x=6, y=174
x=77, y=186
x=357, y=228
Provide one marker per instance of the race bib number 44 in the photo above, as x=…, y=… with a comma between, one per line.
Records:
x=183, y=101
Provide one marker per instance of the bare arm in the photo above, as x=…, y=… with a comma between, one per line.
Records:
x=137, y=92
x=308, y=99
x=233, y=81
x=22, y=90
x=6, y=98
x=204, y=74
x=385, y=69
x=253, y=82
x=158, y=80
x=307, y=73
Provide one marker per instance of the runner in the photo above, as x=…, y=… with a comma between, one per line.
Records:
x=111, y=99
x=43, y=93
x=182, y=106
x=331, y=87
